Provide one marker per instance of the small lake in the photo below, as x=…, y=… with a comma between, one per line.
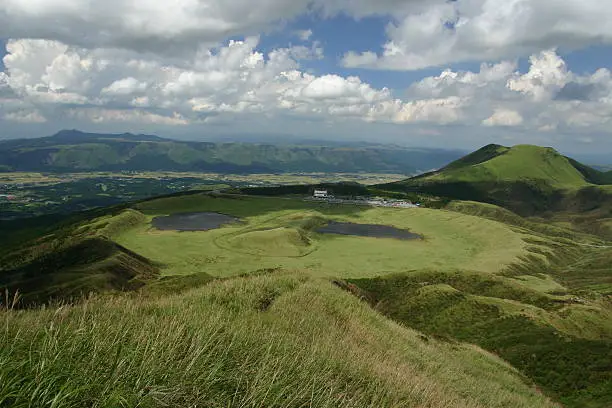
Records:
x=200, y=221
x=367, y=230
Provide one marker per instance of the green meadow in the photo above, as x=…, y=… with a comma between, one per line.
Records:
x=281, y=233
x=487, y=309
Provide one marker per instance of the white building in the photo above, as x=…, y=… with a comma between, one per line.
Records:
x=320, y=194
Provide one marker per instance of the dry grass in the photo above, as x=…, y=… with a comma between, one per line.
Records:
x=282, y=340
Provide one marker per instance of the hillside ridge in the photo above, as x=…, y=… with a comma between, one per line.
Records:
x=520, y=162
x=76, y=151
x=481, y=155
x=526, y=179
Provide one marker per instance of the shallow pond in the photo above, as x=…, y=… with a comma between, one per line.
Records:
x=200, y=221
x=367, y=230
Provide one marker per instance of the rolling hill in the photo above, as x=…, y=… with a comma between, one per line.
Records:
x=526, y=179
x=283, y=340
x=270, y=270
x=487, y=308
x=74, y=151
x=518, y=163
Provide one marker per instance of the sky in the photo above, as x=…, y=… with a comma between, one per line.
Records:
x=432, y=73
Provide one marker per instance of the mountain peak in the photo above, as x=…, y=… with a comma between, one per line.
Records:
x=526, y=179
x=520, y=163
x=481, y=155
x=534, y=148
x=68, y=132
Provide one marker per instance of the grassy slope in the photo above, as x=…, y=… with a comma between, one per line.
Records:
x=518, y=288
x=565, y=347
x=551, y=319
x=279, y=233
x=479, y=156
x=236, y=343
x=522, y=162
x=529, y=180
x=513, y=314
x=84, y=266
x=593, y=175
x=75, y=259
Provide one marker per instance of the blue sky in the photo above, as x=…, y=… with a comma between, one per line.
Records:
x=384, y=71
x=342, y=34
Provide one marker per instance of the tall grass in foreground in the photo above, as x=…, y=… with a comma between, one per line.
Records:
x=267, y=341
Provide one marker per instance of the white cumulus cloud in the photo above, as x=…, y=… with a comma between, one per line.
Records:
x=504, y=117
x=547, y=75
x=544, y=98
x=109, y=85
x=143, y=25
x=25, y=116
x=440, y=33
x=125, y=86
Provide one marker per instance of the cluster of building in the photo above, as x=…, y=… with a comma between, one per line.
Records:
x=325, y=195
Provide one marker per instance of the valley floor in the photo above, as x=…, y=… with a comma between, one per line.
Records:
x=280, y=234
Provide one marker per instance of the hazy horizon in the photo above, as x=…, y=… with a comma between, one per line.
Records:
x=593, y=158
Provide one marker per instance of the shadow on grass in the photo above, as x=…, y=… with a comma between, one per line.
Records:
x=576, y=371
x=76, y=270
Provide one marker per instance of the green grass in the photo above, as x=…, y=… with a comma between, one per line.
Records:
x=549, y=314
x=500, y=214
x=280, y=233
x=542, y=283
x=115, y=225
x=481, y=155
x=280, y=340
x=566, y=347
x=76, y=268
x=597, y=263
x=522, y=162
x=281, y=242
x=248, y=313
x=76, y=151
x=529, y=180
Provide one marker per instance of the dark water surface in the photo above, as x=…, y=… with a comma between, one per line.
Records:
x=200, y=221
x=367, y=230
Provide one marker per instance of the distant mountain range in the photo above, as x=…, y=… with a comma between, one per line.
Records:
x=75, y=151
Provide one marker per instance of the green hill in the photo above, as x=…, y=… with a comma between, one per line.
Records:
x=283, y=340
x=520, y=163
x=526, y=179
x=70, y=151
x=83, y=267
x=267, y=310
x=591, y=174
x=479, y=156
x=543, y=335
